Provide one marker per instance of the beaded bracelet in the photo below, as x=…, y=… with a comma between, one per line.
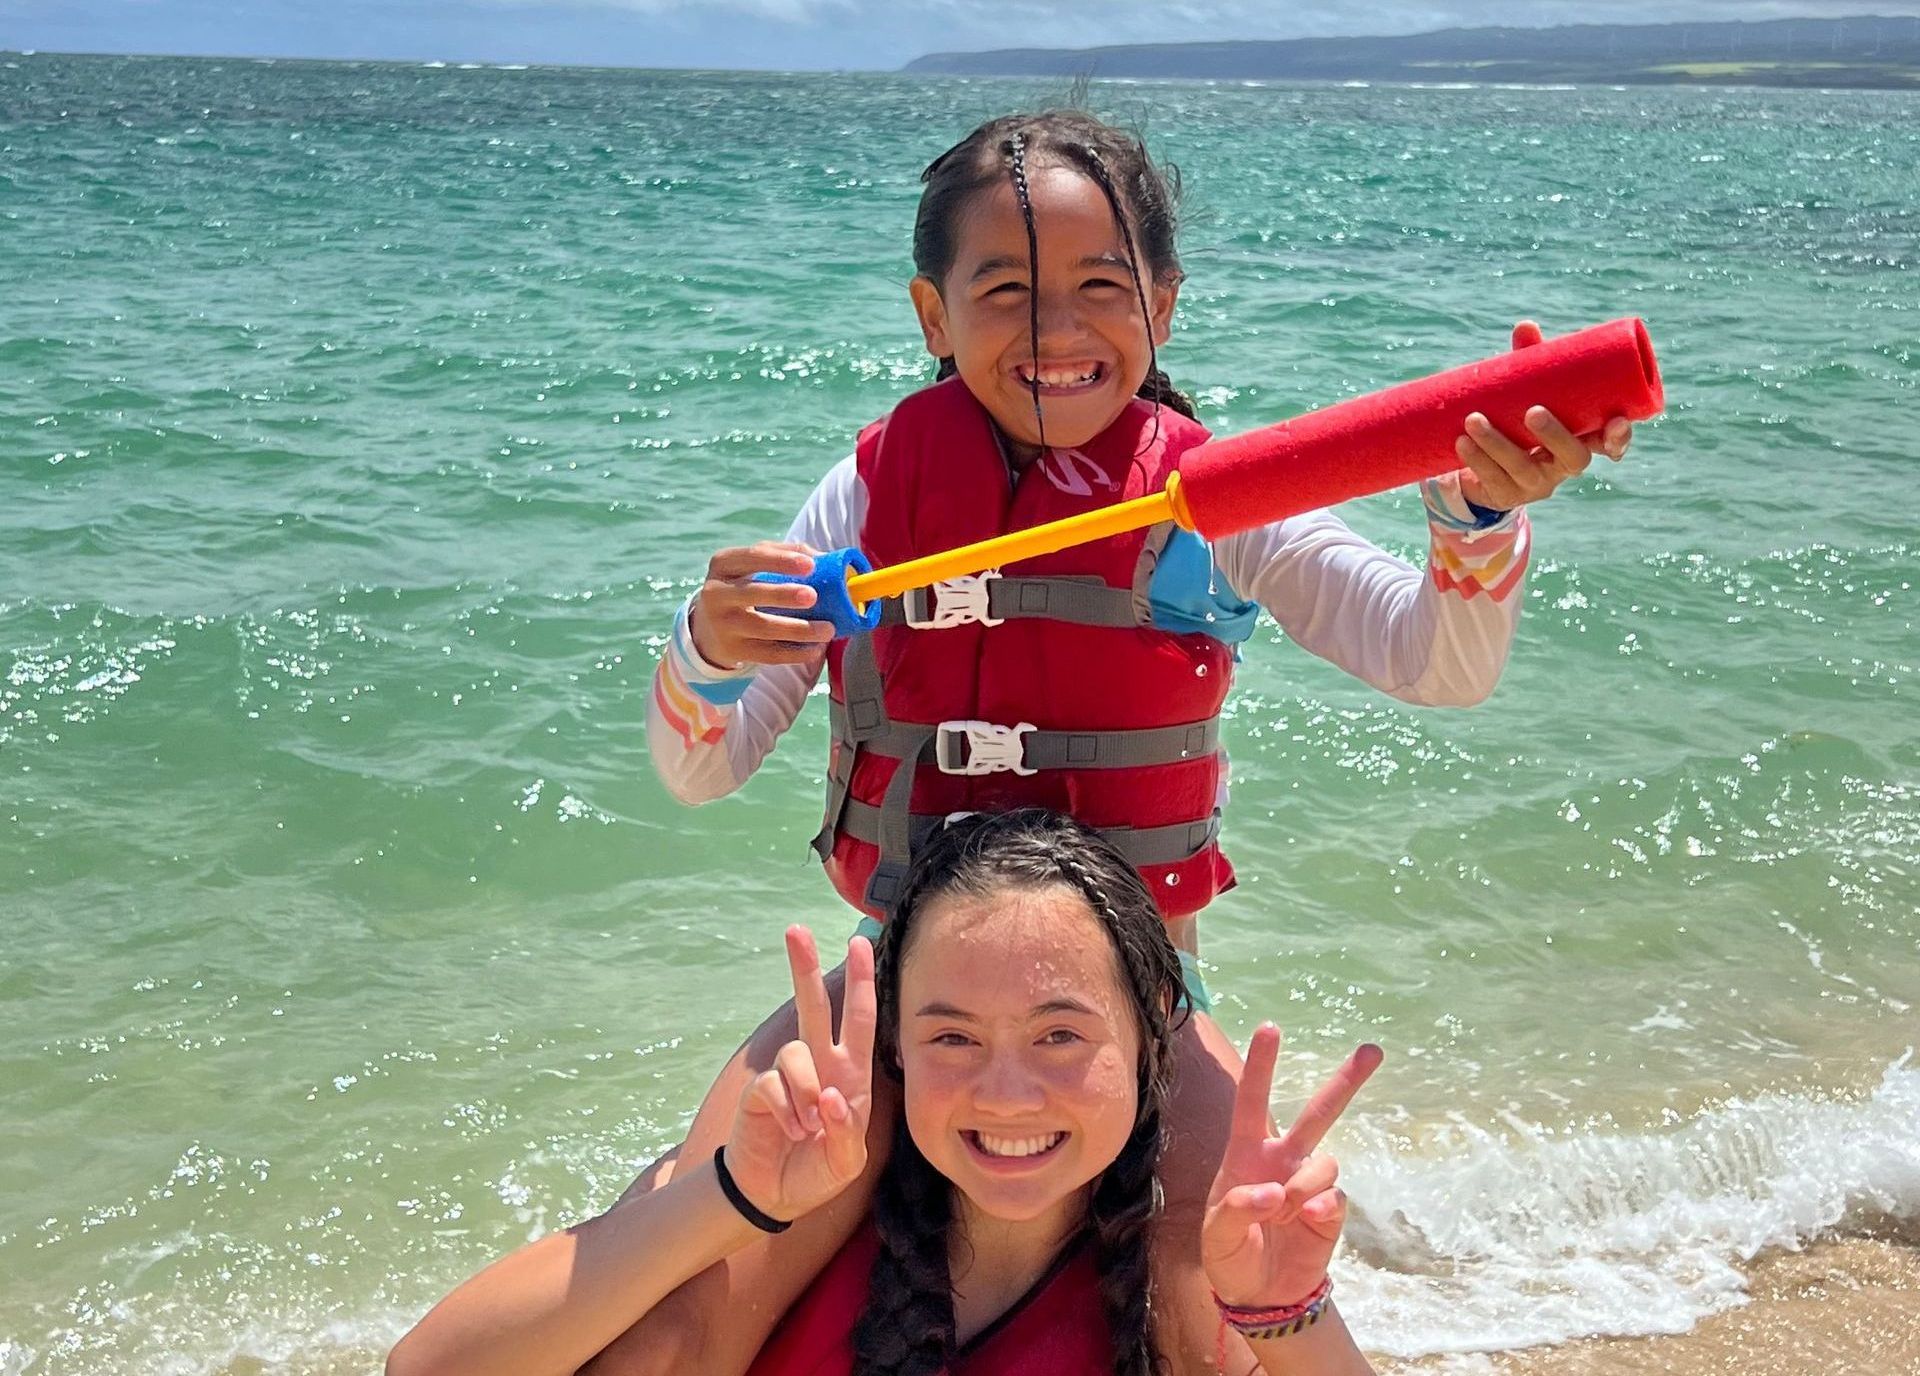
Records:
x=1260, y=1324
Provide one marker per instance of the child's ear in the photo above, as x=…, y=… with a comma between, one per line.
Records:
x=933, y=316
x=1164, y=296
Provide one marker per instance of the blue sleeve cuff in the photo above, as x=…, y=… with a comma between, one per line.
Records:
x=1449, y=509
x=715, y=686
x=1485, y=516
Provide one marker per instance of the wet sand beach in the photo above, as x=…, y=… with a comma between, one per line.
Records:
x=1848, y=1308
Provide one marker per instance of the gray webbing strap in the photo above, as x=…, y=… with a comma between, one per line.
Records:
x=860, y=717
x=1121, y=749
x=896, y=740
x=1142, y=846
x=1081, y=601
x=839, y=781
x=895, y=839
x=865, y=708
x=1053, y=749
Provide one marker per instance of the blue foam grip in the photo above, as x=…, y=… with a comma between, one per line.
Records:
x=832, y=602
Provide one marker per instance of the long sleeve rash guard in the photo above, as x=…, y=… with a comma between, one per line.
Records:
x=1437, y=637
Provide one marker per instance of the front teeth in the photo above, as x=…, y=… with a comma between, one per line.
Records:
x=1017, y=1146
x=1057, y=377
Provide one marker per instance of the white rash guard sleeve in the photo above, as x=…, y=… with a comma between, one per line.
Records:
x=708, y=729
x=1437, y=637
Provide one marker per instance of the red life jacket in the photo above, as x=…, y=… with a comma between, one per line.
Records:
x=1058, y=1329
x=1042, y=684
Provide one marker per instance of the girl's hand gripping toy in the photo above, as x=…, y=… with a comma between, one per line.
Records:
x=1358, y=447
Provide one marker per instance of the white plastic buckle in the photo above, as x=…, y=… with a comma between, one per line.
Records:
x=991, y=749
x=958, y=602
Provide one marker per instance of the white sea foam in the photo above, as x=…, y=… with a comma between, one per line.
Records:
x=1481, y=1241
x=1466, y=1241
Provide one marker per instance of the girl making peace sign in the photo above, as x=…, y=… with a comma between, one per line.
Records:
x=1024, y=1000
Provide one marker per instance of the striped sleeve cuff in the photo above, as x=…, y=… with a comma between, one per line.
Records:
x=1474, y=551
x=721, y=687
x=695, y=697
x=1449, y=509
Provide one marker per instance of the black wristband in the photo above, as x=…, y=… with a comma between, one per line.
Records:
x=766, y=1223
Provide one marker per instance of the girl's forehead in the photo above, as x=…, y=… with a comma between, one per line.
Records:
x=1070, y=212
x=1008, y=952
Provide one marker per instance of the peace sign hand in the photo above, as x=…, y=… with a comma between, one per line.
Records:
x=800, y=1136
x=1274, y=1214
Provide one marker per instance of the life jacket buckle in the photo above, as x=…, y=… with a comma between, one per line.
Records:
x=956, y=602
x=990, y=749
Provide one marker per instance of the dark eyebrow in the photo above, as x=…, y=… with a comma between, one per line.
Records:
x=947, y=1010
x=1008, y=263
x=1064, y=1006
x=1002, y=263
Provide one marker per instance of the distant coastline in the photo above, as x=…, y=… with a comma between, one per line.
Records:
x=1867, y=51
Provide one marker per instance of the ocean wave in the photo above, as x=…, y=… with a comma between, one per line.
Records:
x=1486, y=1241
x=1467, y=1241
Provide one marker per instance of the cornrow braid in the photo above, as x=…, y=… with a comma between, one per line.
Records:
x=1125, y=1200
x=1147, y=979
x=907, y=1325
x=1089, y=160
x=1017, y=163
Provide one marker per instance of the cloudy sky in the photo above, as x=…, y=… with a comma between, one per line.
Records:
x=781, y=34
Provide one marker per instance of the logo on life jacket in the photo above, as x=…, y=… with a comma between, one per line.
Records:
x=1063, y=469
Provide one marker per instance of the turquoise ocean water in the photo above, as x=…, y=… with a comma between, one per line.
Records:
x=361, y=426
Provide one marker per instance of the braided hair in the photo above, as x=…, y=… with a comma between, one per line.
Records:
x=907, y=1327
x=1142, y=195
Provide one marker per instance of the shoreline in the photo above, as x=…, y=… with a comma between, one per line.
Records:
x=1848, y=1307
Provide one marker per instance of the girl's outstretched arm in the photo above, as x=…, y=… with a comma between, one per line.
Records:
x=709, y=726
x=798, y=1141
x=549, y=1307
x=1437, y=637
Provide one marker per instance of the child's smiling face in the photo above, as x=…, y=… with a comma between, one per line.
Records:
x=1020, y=1048
x=1091, y=345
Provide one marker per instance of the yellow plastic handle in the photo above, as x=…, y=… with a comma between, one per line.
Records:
x=1023, y=544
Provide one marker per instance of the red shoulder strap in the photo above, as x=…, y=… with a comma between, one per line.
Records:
x=816, y=1336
